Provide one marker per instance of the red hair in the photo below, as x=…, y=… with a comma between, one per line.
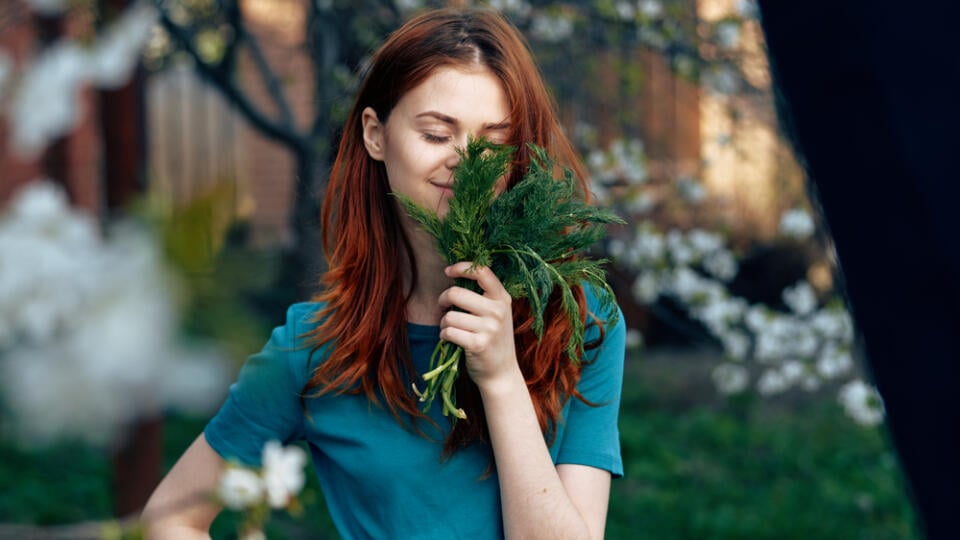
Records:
x=363, y=317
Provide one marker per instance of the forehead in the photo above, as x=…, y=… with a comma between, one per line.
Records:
x=472, y=95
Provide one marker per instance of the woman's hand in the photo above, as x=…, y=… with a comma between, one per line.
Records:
x=484, y=329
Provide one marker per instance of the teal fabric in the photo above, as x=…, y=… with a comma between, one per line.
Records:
x=381, y=480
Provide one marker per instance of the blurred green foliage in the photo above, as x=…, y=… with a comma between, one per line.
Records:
x=747, y=469
x=695, y=468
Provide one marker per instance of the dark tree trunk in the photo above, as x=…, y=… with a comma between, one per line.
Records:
x=138, y=458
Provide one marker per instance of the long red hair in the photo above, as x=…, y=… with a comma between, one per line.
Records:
x=363, y=317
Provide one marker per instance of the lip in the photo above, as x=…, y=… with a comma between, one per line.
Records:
x=445, y=188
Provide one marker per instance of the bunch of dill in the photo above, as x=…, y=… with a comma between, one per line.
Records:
x=533, y=237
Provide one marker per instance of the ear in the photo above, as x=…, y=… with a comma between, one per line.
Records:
x=373, y=133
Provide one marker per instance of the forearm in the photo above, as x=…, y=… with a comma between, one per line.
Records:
x=181, y=506
x=176, y=532
x=534, y=500
x=168, y=517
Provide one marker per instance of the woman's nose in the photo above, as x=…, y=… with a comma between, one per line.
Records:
x=453, y=159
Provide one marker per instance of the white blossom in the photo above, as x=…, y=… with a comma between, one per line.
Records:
x=805, y=342
x=90, y=341
x=49, y=7
x=833, y=324
x=730, y=378
x=736, y=344
x=801, y=298
x=648, y=246
x=680, y=250
x=640, y=203
x=283, y=475
x=624, y=160
x=796, y=223
x=117, y=51
x=686, y=284
x=629, y=160
x=651, y=36
x=834, y=361
x=781, y=335
x=721, y=264
x=768, y=347
x=240, y=488
x=727, y=34
x=772, y=382
x=703, y=242
x=616, y=248
x=747, y=9
x=757, y=319
x=46, y=103
x=651, y=9
x=862, y=402
x=722, y=80
x=596, y=160
x=551, y=28
x=409, y=5
x=625, y=10
x=691, y=190
x=684, y=65
x=646, y=288
x=719, y=311
x=793, y=371
x=515, y=7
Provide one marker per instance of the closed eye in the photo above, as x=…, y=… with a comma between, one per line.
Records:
x=435, y=139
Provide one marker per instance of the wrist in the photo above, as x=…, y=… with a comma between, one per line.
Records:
x=506, y=384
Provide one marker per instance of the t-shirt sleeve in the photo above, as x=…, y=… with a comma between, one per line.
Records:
x=264, y=403
x=590, y=434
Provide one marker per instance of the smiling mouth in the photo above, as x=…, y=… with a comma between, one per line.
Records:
x=446, y=188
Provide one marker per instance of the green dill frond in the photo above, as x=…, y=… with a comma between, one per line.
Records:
x=533, y=236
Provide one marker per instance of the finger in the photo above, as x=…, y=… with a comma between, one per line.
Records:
x=466, y=321
x=470, y=341
x=483, y=275
x=460, y=297
x=474, y=304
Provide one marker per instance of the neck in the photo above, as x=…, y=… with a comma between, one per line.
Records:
x=423, y=306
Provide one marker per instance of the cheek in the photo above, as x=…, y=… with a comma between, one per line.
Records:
x=418, y=157
x=501, y=184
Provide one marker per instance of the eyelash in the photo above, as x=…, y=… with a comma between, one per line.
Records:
x=431, y=138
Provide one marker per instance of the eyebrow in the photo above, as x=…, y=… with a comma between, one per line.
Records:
x=447, y=119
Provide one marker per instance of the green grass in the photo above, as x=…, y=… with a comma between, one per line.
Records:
x=748, y=469
x=696, y=467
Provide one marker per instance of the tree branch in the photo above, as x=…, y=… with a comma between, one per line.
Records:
x=223, y=80
x=269, y=78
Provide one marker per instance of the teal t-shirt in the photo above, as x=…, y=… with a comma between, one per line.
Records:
x=381, y=480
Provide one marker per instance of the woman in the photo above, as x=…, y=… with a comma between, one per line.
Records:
x=535, y=456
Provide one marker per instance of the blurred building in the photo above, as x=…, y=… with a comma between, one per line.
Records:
x=195, y=141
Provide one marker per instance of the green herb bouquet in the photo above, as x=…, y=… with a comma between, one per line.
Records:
x=533, y=237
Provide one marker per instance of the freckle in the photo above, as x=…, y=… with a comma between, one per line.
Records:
x=544, y=490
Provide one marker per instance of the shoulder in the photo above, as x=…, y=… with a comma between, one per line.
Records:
x=603, y=311
x=605, y=346
x=301, y=319
x=290, y=345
